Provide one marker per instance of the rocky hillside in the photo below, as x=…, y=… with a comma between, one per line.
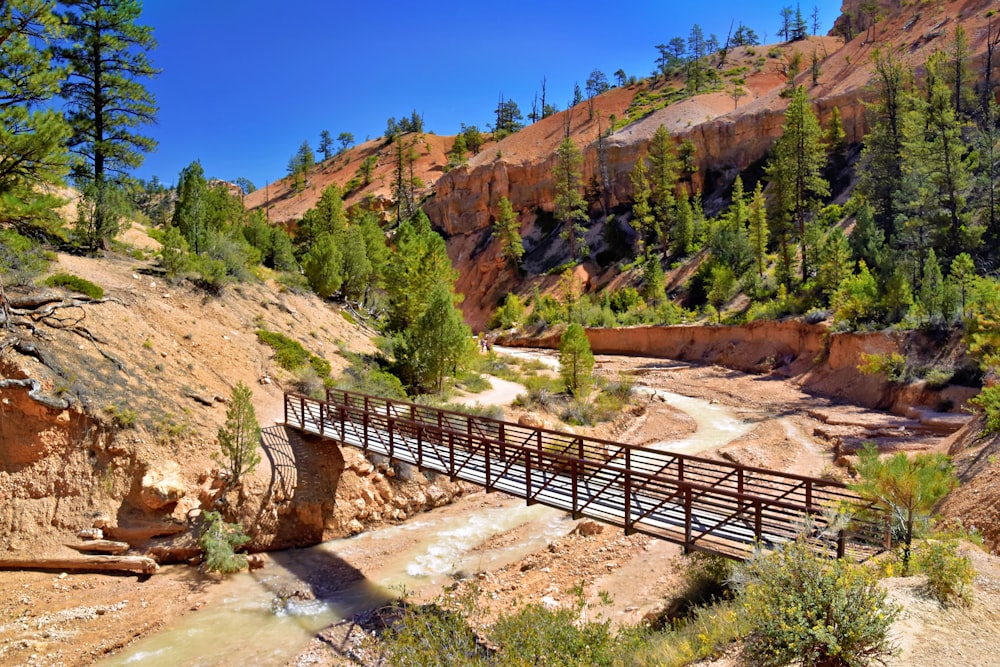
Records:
x=110, y=409
x=729, y=138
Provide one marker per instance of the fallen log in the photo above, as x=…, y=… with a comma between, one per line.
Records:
x=140, y=564
x=100, y=546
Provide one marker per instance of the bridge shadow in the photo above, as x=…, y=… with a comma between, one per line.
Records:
x=298, y=504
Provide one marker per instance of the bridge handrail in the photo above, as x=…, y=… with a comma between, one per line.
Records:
x=635, y=448
x=824, y=494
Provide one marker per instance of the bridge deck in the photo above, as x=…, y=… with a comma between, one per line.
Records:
x=701, y=504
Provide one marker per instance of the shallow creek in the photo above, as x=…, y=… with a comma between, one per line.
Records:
x=249, y=621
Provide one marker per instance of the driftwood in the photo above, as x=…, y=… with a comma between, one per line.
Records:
x=100, y=546
x=140, y=564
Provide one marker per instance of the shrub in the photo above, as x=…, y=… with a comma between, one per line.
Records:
x=537, y=635
x=219, y=541
x=290, y=355
x=988, y=401
x=813, y=611
x=75, y=284
x=949, y=574
x=21, y=259
x=892, y=366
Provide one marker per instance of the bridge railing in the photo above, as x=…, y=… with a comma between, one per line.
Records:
x=740, y=500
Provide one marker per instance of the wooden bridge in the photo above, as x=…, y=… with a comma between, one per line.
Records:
x=699, y=503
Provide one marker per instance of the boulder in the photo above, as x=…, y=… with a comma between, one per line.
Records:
x=161, y=485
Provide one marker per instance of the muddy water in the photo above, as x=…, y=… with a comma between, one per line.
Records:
x=251, y=619
x=717, y=424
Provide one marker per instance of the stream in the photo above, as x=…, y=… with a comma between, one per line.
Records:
x=249, y=620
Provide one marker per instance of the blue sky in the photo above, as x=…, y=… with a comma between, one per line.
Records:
x=244, y=82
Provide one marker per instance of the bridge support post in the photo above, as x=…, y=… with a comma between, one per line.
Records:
x=628, y=497
x=841, y=544
x=687, y=519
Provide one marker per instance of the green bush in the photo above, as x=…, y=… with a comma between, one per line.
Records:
x=949, y=574
x=809, y=610
x=21, y=259
x=892, y=366
x=75, y=284
x=989, y=401
x=219, y=541
x=290, y=355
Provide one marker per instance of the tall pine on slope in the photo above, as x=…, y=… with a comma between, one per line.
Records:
x=32, y=136
x=796, y=166
x=106, y=53
x=570, y=206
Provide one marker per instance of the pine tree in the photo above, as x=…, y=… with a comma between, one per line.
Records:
x=576, y=360
x=507, y=230
x=356, y=268
x=570, y=206
x=759, y=233
x=189, y=212
x=932, y=289
x=796, y=165
x=905, y=489
x=325, y=144
x=653, y=281
x=32, y=134
x=106, y=53
x=327, y=217
x=322, y=266
x=682, y=238
x=881, y=158
x=867, y=240
x=936, y=170
x=419, y=260
x=439, y=341
x=663, y=168
x=239, y=436
x=962, y=277
x=643, y=221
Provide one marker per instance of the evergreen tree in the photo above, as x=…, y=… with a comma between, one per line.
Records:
x=438, y=342
x=932, y=288
x=958, y=72
x=866, y=239
x=653, y=281
x=962, y=277
x=356, y=266
x=881, y=158
x=936, y=171
x=189, y=212
x=758, y=231
x=834, y=262
x=419, y=260
x=905, y=489
x=797, y=163
x=799, y=27
x=570, y=206
x=507, y=230
x=106, y=54
x=643, y=221
x=346, y=140
x=682, y=238
x=663, y=168
x=325, y=144
x=576, y=360
x=322, y=266
x=327, y=217
x=300, y=164
x=32, y=134
x=239, y=436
